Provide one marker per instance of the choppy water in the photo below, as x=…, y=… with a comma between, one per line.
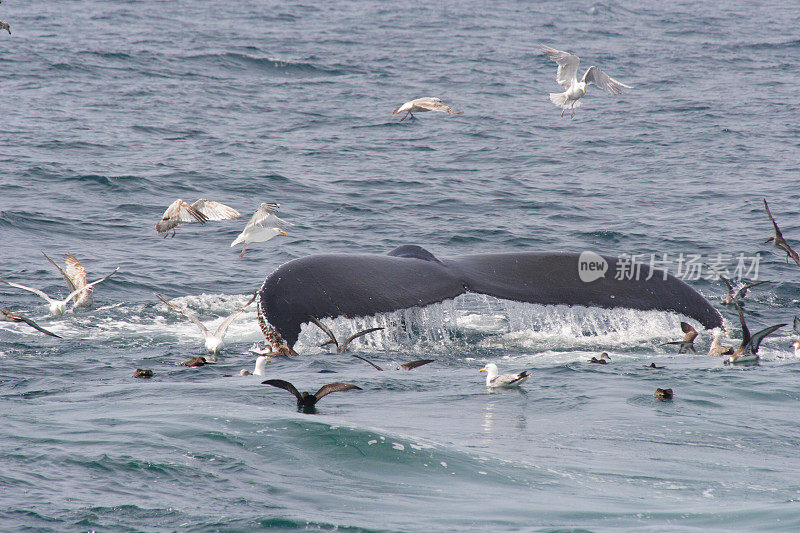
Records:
x=111, y=110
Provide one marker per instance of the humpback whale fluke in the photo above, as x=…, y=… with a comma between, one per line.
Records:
x=357, y=285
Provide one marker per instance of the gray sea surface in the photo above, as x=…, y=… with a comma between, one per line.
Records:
x=112, y=110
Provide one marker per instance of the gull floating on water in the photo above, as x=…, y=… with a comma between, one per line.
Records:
x=180, y=212
x=778, y=241
x=8, y=316
x=213, y=341
x=308, y=401
x=495, y=379
x=688, y=340
x=263, y=225
x=56, y=307
x=420, y=105
x=567, y=77
x=747, y=352
x=75, y=276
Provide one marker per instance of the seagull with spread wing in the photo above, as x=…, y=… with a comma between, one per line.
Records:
x=213, y=341
x=263, y=225
x=57, y=307
x=567, y=77
x=180, y=212
x=75, y=276
x=428, y=103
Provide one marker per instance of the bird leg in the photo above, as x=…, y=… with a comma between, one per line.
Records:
x=562, y=111
x=404, y=116
x=243, y=249
x=166, y=234
x=173, y=234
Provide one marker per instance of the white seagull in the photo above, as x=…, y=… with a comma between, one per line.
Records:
x=495, y=379
x=567, y=77
x=263, y=225
x=428, y=103
x=180, y=212
x=57, y=306
x=75, y=276
x=260, y=368
x=213, y=341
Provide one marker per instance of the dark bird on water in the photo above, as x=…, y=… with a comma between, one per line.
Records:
x=195, y=361
x=688, y=340
x=306, y=400
x=8, y=316
x=603, y=360
x=653, y=365
x=663, y=394
x=332, y=338
x=143, y=373
x=778, y=241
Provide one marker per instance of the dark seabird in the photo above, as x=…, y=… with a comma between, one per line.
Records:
x=653, y=365
x=778, y=241
x=195, y=361
x=740, y=294
x=308, y=401
x=663, y=394
x=411, y=365
x=332, y=339
x=604, y=359
x=8, y=316
x=688, y=340
x=747, y=352
x=142, y=373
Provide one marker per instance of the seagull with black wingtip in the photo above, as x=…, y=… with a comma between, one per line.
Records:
x=778, y=241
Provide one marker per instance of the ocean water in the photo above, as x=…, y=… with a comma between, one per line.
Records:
x=112, y=110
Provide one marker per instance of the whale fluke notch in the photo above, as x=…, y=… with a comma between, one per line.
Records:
x=359, y=285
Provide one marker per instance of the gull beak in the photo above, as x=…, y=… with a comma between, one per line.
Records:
x=583, y=89
x=284, y=233
x=482, y=369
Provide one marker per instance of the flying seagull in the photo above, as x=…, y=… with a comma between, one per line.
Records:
x=420, y=105
x=8, y=316
x=213, y=341
x=688, y=340
x=778, y=241
x=57, y=306
x=740, y=294
x=180, y=212
x=305, y=400
x=567, y=77
x=75, y=276
x=332, y=339
x=747, y=351
x=494, y=379
x=263, y=225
